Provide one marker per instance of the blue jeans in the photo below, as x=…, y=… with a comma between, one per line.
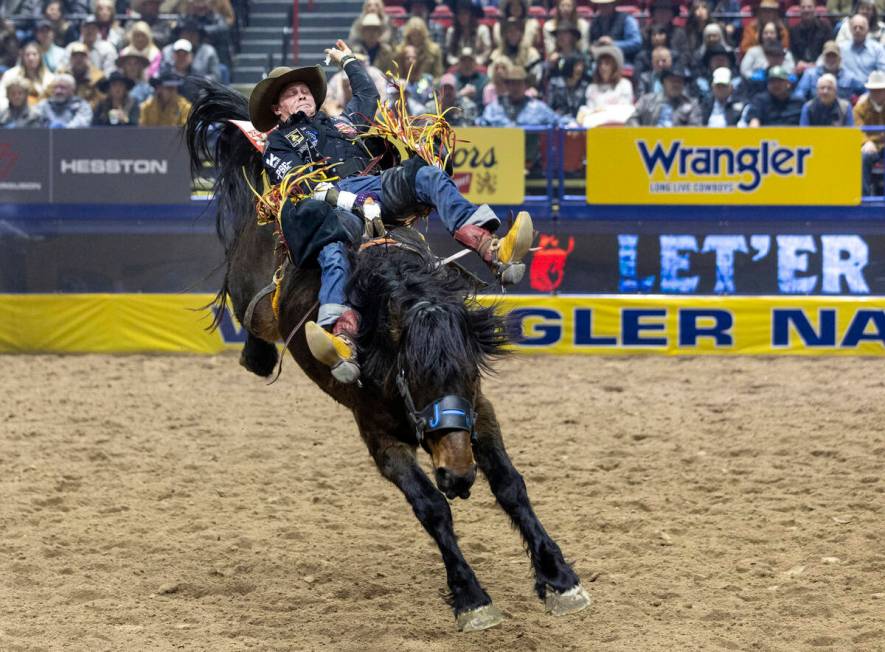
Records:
x=868, y=162
x=433, y=187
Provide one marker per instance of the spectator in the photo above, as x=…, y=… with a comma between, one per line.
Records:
x=86, y=76
x=118, y=109
x=514, y=49
x=516, y=109
x=609, y=94
x=209, y=27
x=868, y=112
x=518, y=10
x=428, y=54
x=54, y=56
x=148, y=11
x=840, y=7
x=713, y=37
x=183, y=67
x=102, y=54
x=846, y=86
x=669, y=108
x=662, y=14
x=567, y=91
x=715, y=57
x=64, y=109
x=19, y=8
x=378, y=53
x=497, y=88
x=65, y=33
x=721, y=108
x=610, y=27
x=9, y=48
x=827, y=109
x=467, y=32
x=758, y=58
x=418, y=85
x=774, y=107
x=31, y=67
x=19, y=113
x=108, y=27
x=697, y=21
x=862, y=55
x=225, y=9
x=204, y=62
x=566, y=12
x=808, y=37
x=650, y=80
x=375, y=7
x=423, y=9
x=768, y=11
x=460, y=111
x=875, y=28
x=658, y=37
x=134, y=66
x=166, y=108
x=141, y=41
x=471, y=82
x=732, y=25
x=568, y=43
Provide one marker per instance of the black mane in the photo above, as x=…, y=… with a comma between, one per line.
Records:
x=419, y=317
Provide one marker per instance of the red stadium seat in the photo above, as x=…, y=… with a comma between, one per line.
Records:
x=442, y=15
x=585, y=12
x=394, y=11
x=792, y=16
x=492, y=12
x=633, y=10
x=540, y=13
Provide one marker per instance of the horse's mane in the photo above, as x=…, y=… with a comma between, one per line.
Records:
x=420, y=317
x=210, y=136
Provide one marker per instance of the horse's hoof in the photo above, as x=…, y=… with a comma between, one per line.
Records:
x=568, y=602
x=480, y=618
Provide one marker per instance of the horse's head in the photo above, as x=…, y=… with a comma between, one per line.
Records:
x=443, y=349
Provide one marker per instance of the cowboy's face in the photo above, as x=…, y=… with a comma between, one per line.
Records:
x=878, y=95
x=294, y=98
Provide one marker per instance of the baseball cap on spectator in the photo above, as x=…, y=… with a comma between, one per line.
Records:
x=182, y=45
x=371, y=20
x=78, y=48
x=44, y=24
x=681, y=73
x=876, y=81
x=778, y=72
x=105, y=84
x=831, y=47
x=721, y=76
x=167, y=79
x=89, y=20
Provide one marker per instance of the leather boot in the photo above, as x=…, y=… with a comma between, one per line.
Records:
x=503, y=255
x=336, y=350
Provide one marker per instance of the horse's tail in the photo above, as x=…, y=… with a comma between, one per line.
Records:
x=210, y=136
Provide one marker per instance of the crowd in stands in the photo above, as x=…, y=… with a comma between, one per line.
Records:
x=77, y=63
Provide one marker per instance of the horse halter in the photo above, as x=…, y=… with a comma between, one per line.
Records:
x=450, y=412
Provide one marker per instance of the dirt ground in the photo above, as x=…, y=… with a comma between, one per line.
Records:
x=157, y=503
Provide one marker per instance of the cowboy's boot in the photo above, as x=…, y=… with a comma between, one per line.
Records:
x=336, y=350
x=503, y=255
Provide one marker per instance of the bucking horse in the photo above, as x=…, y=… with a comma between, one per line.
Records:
x=424, y=346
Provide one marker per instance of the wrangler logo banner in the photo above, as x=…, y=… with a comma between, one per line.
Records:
x=768, y=166
x=584, y=324
x=490, y=165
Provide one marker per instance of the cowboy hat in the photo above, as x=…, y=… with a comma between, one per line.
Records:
x=267, y=91
x=116, y=76
x=876, y=81
x=612, y=51
x=131, y=53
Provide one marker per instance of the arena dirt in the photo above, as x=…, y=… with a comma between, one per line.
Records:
x=157, y=503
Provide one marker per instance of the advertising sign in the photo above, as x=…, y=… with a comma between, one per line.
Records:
x=120, y=166
x=24, y=166
x=767, y=166
x=490, y=165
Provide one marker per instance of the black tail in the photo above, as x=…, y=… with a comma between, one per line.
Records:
x=211, y=137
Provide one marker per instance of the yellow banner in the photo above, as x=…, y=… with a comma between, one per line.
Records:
x=490, y=165
x=767, y=166
x=608, y=325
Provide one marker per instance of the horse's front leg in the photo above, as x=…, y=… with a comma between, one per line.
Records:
x=472, y=605
x=555, y=581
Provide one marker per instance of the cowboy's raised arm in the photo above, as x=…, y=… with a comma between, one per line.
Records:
x=362, y=106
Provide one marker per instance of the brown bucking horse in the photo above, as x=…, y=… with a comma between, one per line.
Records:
x=424, y=345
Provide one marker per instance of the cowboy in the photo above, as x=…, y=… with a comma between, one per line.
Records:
x=289, y=99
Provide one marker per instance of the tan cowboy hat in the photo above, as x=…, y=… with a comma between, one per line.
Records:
x=267, y=91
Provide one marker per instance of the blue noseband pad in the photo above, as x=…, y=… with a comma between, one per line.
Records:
x=448, y=413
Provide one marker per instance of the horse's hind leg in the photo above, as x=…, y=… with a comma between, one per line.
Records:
x=472, y=605
x=555, y=581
